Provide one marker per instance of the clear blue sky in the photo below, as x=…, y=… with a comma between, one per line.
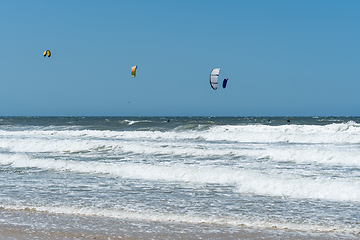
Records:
x=282, y=58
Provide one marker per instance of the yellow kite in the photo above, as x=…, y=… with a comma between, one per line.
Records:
x=47, y=52
x=133, y=71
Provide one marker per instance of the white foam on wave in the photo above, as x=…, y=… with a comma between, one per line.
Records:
x=308, y=154
x=187, y=144
x=333, y=133
x=246, y=181
x=302, y=188
x=131, y=122
x=123, y=170
x=186, y=218
x=56, y=141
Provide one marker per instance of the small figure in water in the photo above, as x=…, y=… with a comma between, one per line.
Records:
x=288, y=120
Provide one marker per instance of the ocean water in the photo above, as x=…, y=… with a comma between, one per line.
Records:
x=261, y=173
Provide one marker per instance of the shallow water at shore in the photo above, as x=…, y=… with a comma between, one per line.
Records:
x=40, y=225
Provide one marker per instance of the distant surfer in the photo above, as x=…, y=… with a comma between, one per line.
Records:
x=288, y=120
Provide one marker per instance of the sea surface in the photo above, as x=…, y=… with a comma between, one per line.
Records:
x=281, y=173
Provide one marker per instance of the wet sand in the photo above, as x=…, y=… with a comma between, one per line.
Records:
x=39, y=225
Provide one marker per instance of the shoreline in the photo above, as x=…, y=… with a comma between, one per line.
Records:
x=39, y=225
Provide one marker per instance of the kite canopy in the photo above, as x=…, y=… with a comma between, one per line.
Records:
x=214, y=75
x=47, y=52
x=225, y=82
x=133, y=71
